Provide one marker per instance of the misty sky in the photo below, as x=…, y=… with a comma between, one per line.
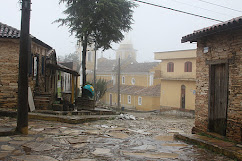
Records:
x=154, y=29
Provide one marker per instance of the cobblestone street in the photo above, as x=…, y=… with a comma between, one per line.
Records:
x=149, y=137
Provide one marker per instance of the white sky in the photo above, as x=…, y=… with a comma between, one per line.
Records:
x=154, y=29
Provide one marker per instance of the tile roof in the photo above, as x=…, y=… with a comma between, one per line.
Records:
x=139, y=67
x=8, y=31
x=13, y=33
x=106, y=65
x=127, y=66
x=152, y=91
x=62, y=68
x=235, y=23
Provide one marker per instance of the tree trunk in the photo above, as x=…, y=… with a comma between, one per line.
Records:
x=84, y=53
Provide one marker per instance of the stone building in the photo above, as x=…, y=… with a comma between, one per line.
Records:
x=218, y=106
x=43, y=70
x=9, y=61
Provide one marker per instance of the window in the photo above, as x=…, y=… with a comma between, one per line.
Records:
x=89, y=56
x=123, y=80
x=170, y=67
x=139, y=100
x=129, y=99
x=65, y=82
x=113, y=79
x=31, y=65
x=133, y=81
x=35, y=64
x=151, y=80
x=188, y=67
x=43, y=64
x=119, y=97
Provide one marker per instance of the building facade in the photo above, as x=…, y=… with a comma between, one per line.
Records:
x=138, y=98
x=42, y=70
x=219, y=79
x=9, y=62
x=137, y=80
x=177, y=79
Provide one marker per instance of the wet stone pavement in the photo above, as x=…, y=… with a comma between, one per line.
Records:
x=149, y=138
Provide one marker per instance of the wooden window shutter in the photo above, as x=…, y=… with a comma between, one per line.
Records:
x=43, y=64
x=30, y=64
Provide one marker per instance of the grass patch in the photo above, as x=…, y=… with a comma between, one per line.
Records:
x=215, y=137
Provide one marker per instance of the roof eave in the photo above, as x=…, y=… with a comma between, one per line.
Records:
x=229, y=26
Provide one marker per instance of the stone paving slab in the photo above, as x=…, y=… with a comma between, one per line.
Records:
x=7, y=131
x=153, y=155
x=219, y=146
x=33, y=157
x=110, y=140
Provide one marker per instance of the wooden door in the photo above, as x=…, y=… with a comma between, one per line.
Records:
x=183, y=98
x=218, y=99
x=111, y=99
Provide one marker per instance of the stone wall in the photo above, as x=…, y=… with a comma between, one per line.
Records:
x=9, y=61
x=225, y=45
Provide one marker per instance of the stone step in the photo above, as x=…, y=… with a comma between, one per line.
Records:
x=74, y=113
x=41, y=98
x=43, y=94
x=69, y=119
x=41, y=101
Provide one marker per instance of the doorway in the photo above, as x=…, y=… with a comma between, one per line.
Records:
x=111, y=99
x=218, y=98
x=183, y=96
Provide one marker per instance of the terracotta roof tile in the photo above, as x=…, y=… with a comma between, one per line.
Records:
x=152, y=91
x=8, y=31
x=139, y=67
x=13, y=33
x=234, y=23
x=106, y=65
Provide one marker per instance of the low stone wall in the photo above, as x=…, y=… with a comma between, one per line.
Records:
x=179, y=113
x=83, y=103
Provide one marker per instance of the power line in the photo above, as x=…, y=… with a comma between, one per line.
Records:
x=178, y=10
x=201, y=8
x=220, y=6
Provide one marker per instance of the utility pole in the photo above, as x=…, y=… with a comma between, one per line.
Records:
x=25, y=48
x=94, y=77
x=119, y=84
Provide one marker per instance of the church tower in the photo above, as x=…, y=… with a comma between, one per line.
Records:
x=126, y=51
